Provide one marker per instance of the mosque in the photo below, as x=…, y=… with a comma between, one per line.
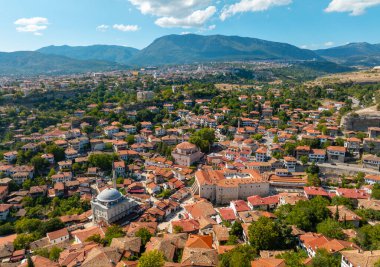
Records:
x=110, y=206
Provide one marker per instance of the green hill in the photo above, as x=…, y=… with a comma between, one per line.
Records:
x=353, y=54
x=191, y=48
x=34, y=63
x=111, y=53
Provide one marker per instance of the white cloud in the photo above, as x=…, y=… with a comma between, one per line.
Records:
x=251, y=6
x=33, y=25
x=355, y=7
x=329, y=43
x=211, y=27
x=169, y=8
x=196, y=19
x=304, y=46
x=177, y=13
x=126, y=28
x=102, y=28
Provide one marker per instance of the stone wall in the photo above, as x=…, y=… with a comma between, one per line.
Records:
x=360, y=122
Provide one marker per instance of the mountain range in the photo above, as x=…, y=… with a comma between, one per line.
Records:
x=179, y=49
x=353, y=54
x=190, y=48
x=110, y=53
x=33, y=63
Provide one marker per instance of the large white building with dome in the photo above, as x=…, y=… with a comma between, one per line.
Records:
x=111, y=206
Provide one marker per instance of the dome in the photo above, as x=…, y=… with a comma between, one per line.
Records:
x=109, y=195
x=186, y=145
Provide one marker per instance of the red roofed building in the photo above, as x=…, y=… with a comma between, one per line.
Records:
x=312, y=191
x=336, y=153
x=352, y=193
x=3, y=192
x=199, y=241
x=227, y=214
x=58, y=236
x=223, y=186
x=186, y=154
x=119, y=168
x=290, y=163
x=187, y=226
x=4, y=211
x=239, y=206
x=81, y=236
x=261, y=154
x=311, y=242
x=264, y=203
x=268, y=262
x=369, y=179
x=302, y=151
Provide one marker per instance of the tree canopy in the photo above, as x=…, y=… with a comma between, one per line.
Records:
x=153, y=258
x=204, y=139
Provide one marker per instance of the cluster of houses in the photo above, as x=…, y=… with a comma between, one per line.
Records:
x=184, y=198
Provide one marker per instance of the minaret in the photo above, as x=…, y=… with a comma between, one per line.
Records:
x=113, y=176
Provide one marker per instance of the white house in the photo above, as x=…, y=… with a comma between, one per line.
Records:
x=58, y=236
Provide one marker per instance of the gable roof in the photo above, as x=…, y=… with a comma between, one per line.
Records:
x=199, y=241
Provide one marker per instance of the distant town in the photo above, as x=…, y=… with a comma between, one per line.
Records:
x=218, y=164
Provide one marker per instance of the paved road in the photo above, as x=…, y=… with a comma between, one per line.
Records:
x=348, y=167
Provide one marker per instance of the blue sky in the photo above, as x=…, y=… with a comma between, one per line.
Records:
x=31, y=24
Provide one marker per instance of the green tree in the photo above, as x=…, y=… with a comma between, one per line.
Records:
x=50, y=226
x=369, y=214
x=304, y=159
x=58, y=152
x=339, y=141
x=232, y=240
x=178, y=229
x=165, y=193
x=153, y=258
x=144, y=234
x=305, y=214
x=290, y=148
x=236, y=229
x=23, y=240
x=313, y=169
x=51, y=172
x=266, y=234
x=130, y=139
x=95, y=238
x=39, y=164
x=102, y=161
x=337, y=201
x=29, y=261
x=240, y=256
x=54, y=253
x=43, y=252
x=26, y=225
x=368, y=237
x=325, y=259
x=257, y=137
x=376, y=191
x=262, y=234
x=6, y=229
x=330, y=228
x=293, y=258
x=313, y=180
x=27, y=184
x=113, y=231
x=204, y=139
